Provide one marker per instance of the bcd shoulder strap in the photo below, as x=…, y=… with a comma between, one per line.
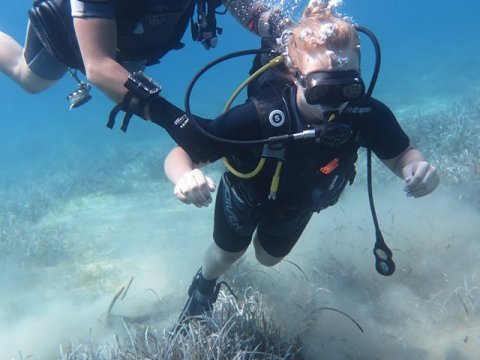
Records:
x=274, y=120
x=274, y=117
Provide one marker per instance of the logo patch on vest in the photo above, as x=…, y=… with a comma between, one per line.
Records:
x=276, y=118
x=357, y=110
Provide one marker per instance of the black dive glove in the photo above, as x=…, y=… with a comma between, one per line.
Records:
x=144, y=92
x=181, y=129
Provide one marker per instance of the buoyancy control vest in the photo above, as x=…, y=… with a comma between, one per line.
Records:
x=156, y=27
x=311, y=175
x=146, y=29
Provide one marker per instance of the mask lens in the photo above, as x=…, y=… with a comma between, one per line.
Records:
x=317, y=94
x=326, y=94
x=332, y=88
x=333, y=94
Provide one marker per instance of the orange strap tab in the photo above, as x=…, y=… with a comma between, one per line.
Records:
x=332, y=165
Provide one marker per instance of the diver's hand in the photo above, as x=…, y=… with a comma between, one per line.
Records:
x=421, y=178
x=194, y=187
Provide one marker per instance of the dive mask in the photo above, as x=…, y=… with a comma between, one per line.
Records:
x=331, y=87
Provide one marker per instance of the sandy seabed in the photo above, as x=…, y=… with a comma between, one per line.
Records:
x=73, y=236
x=428, y=309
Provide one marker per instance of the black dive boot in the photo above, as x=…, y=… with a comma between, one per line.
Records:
x=202, y=294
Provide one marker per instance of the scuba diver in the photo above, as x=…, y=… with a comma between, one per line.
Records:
x=108, y=40
x=269, y=193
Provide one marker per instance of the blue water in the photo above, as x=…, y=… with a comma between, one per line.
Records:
x=428, y=47
x=429, y=57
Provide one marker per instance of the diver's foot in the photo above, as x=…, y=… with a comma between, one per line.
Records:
x=202, y=294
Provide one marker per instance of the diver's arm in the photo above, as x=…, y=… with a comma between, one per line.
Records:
x=192, y=186
x=257, y=17
x=181, y=166
x=97, y=39
x=420, y=177
x=239, y=123
x=177, y=163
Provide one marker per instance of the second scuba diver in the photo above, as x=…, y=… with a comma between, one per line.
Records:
x=269, y=193
x=110, y=40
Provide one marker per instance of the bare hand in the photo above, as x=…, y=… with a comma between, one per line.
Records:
x=421, y=179
x=194, y=187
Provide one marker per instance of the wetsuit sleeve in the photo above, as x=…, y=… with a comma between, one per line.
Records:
x=93, y=9
x=240, y=123
x=384, y=134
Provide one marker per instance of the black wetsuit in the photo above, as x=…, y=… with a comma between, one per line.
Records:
x=146, y=31
x=242, y=204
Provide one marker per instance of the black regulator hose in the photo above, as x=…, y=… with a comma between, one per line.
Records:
x=201, y=130
x=378, y=58
x=383, y=255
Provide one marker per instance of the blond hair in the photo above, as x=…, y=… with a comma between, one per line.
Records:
x=322, y=33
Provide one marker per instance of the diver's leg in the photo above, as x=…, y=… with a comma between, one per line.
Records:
x=262, y=255
x=32, y=67
x=10, y=54
x=277, y=233
x=234, y=223
x=232, y=235
x=204, y=289
x=216, y=261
